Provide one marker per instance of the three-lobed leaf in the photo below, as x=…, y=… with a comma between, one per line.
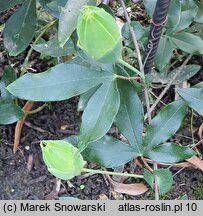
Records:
x=20, y=27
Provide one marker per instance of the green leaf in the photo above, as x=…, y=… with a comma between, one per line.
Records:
x=68, y=19
x=58, y=83
x=194, y=98
x=174, y=14
x=52, y=48
x=164, y=53
x=8, y=77
x=186, y=19
x=53, y=7
x=199, y=85
x=99, y=114
x=9, y=113
x=187, y=42
x=164, y=179
x=199, y=16
x=165, y=124
x=106, y=152
x=130, y=117
x=183, y=197
x=149, y=177
x=137, y=28
x=150, y=6
x=169, y=153
x=5, y=5
x=186, y=73
x=20, y=28
x=84, y=98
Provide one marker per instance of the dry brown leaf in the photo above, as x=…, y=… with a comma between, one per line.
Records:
x=196, y=162
x=131, y=189
x=19, y=126
x=103, y=197
x=200, y=131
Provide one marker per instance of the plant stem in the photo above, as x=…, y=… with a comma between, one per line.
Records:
x=127, y=77
x=169, y=84
x=146, y=93
x=132, y=68
x=36, y=110
x=191, y=127
x=25, y=63
x=112, y=173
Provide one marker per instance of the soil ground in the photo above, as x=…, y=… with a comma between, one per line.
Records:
x=25, y=176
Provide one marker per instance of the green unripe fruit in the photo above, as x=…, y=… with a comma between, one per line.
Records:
x=62, y=159
x=99, y=35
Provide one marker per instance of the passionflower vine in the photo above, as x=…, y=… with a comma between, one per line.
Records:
x=62, y=158
x=98, y=35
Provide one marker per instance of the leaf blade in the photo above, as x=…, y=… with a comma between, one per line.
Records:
x=68, y=17
x=169, y=153
x=194, y=98
x=130, y=117
x=165, y=124
x=96, y=122
x=58, y=83
x=20, y=27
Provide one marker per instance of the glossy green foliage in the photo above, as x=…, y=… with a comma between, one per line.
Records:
x=62, y=159
x=137, y=28
x=165, y=124
x=52, y=48
x=106, y=152
x=181, y=16
x=194, y=98
x=58, y=83
x=150, y=6
x=169, y=153
x=20, y=27
x=185, y=74
x=68, y=19
x=188, y=42
x=130, y=117
x=5, y=5
x=53, y=7
x=164, y=179
x=98, y=35
x=84, y=98
x=99, y=114
x=164, y=53
x=9, y=111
